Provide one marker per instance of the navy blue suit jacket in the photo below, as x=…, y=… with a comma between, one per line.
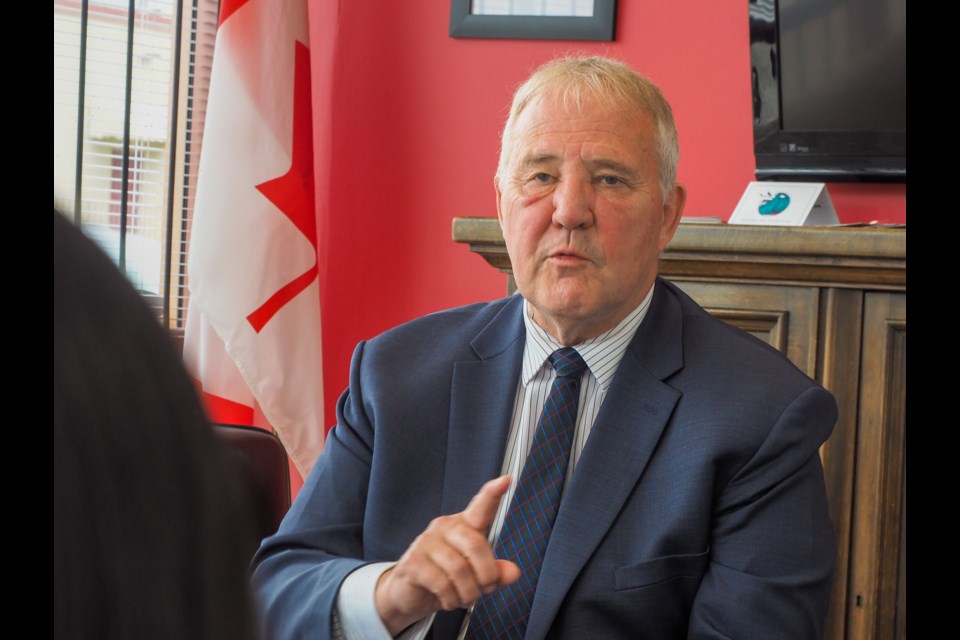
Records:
x=697, y=509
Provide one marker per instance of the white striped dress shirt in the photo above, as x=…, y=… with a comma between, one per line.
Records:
x=602, y=355
x=356, y=616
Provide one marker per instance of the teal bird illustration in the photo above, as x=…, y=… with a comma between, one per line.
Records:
x=773, y=206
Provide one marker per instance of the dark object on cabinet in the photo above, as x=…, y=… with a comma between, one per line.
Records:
x=834, y=301
x=829, y=87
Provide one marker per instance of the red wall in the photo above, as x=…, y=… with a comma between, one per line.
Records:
x=407, y=122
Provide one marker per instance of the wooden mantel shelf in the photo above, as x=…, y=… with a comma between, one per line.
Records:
x=845, y=257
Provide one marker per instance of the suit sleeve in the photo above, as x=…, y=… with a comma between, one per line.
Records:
x=297, y=572
x=772, y=544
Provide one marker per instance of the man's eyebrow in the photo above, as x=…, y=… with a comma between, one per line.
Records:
x=611, y=165
x=537, y=160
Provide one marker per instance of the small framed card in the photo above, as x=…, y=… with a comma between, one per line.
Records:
x=787, y=204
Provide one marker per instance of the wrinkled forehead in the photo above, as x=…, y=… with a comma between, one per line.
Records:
x=592, y=120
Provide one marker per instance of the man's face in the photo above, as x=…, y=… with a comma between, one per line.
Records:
x=582, y=214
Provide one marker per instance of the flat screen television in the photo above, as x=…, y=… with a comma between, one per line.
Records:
x=829, y=84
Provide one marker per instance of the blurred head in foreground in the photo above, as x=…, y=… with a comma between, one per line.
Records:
x=151, y=537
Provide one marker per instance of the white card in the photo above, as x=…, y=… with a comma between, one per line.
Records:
x=788, y=204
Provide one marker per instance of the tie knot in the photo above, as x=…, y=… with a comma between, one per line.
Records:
x=567, y=362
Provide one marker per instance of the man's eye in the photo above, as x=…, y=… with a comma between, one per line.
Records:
x=543, y=178
x=610, y=181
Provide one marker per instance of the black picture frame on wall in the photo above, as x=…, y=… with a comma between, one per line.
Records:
x=599, y=27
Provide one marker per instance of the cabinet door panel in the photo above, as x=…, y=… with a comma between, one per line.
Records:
x=784, y=316
x=876, y=605
x=841, y=348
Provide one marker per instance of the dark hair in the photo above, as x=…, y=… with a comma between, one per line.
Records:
x=151, y=535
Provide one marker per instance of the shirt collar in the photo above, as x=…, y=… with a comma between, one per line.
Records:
x=602, y=353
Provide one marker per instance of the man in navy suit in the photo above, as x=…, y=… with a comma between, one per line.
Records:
x=693, y=504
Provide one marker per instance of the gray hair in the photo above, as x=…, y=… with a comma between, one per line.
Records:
x=575, y=79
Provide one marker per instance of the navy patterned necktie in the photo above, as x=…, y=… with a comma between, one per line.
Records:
x=533, y=510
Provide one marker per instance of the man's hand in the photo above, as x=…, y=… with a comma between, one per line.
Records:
x=448, y=566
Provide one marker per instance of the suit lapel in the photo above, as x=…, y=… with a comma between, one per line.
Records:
x=478, y=427
x=624, y=436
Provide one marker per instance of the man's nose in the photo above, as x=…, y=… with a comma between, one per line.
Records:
x=573, y=202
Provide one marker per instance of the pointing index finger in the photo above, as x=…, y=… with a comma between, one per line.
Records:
x=483, y=507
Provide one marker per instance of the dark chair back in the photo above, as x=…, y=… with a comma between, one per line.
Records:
x=265, y=467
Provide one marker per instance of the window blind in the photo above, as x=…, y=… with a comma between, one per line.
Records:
x=130, y=84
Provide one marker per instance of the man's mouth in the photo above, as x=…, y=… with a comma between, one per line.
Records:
x=567, y=256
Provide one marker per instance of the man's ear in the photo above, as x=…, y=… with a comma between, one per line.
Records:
x=672, y=211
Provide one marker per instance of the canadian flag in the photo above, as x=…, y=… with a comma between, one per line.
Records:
x=252, y=337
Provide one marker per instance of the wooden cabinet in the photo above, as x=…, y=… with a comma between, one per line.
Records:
x=834, y=301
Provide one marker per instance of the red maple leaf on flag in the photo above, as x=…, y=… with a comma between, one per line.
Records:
x=292, y=193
